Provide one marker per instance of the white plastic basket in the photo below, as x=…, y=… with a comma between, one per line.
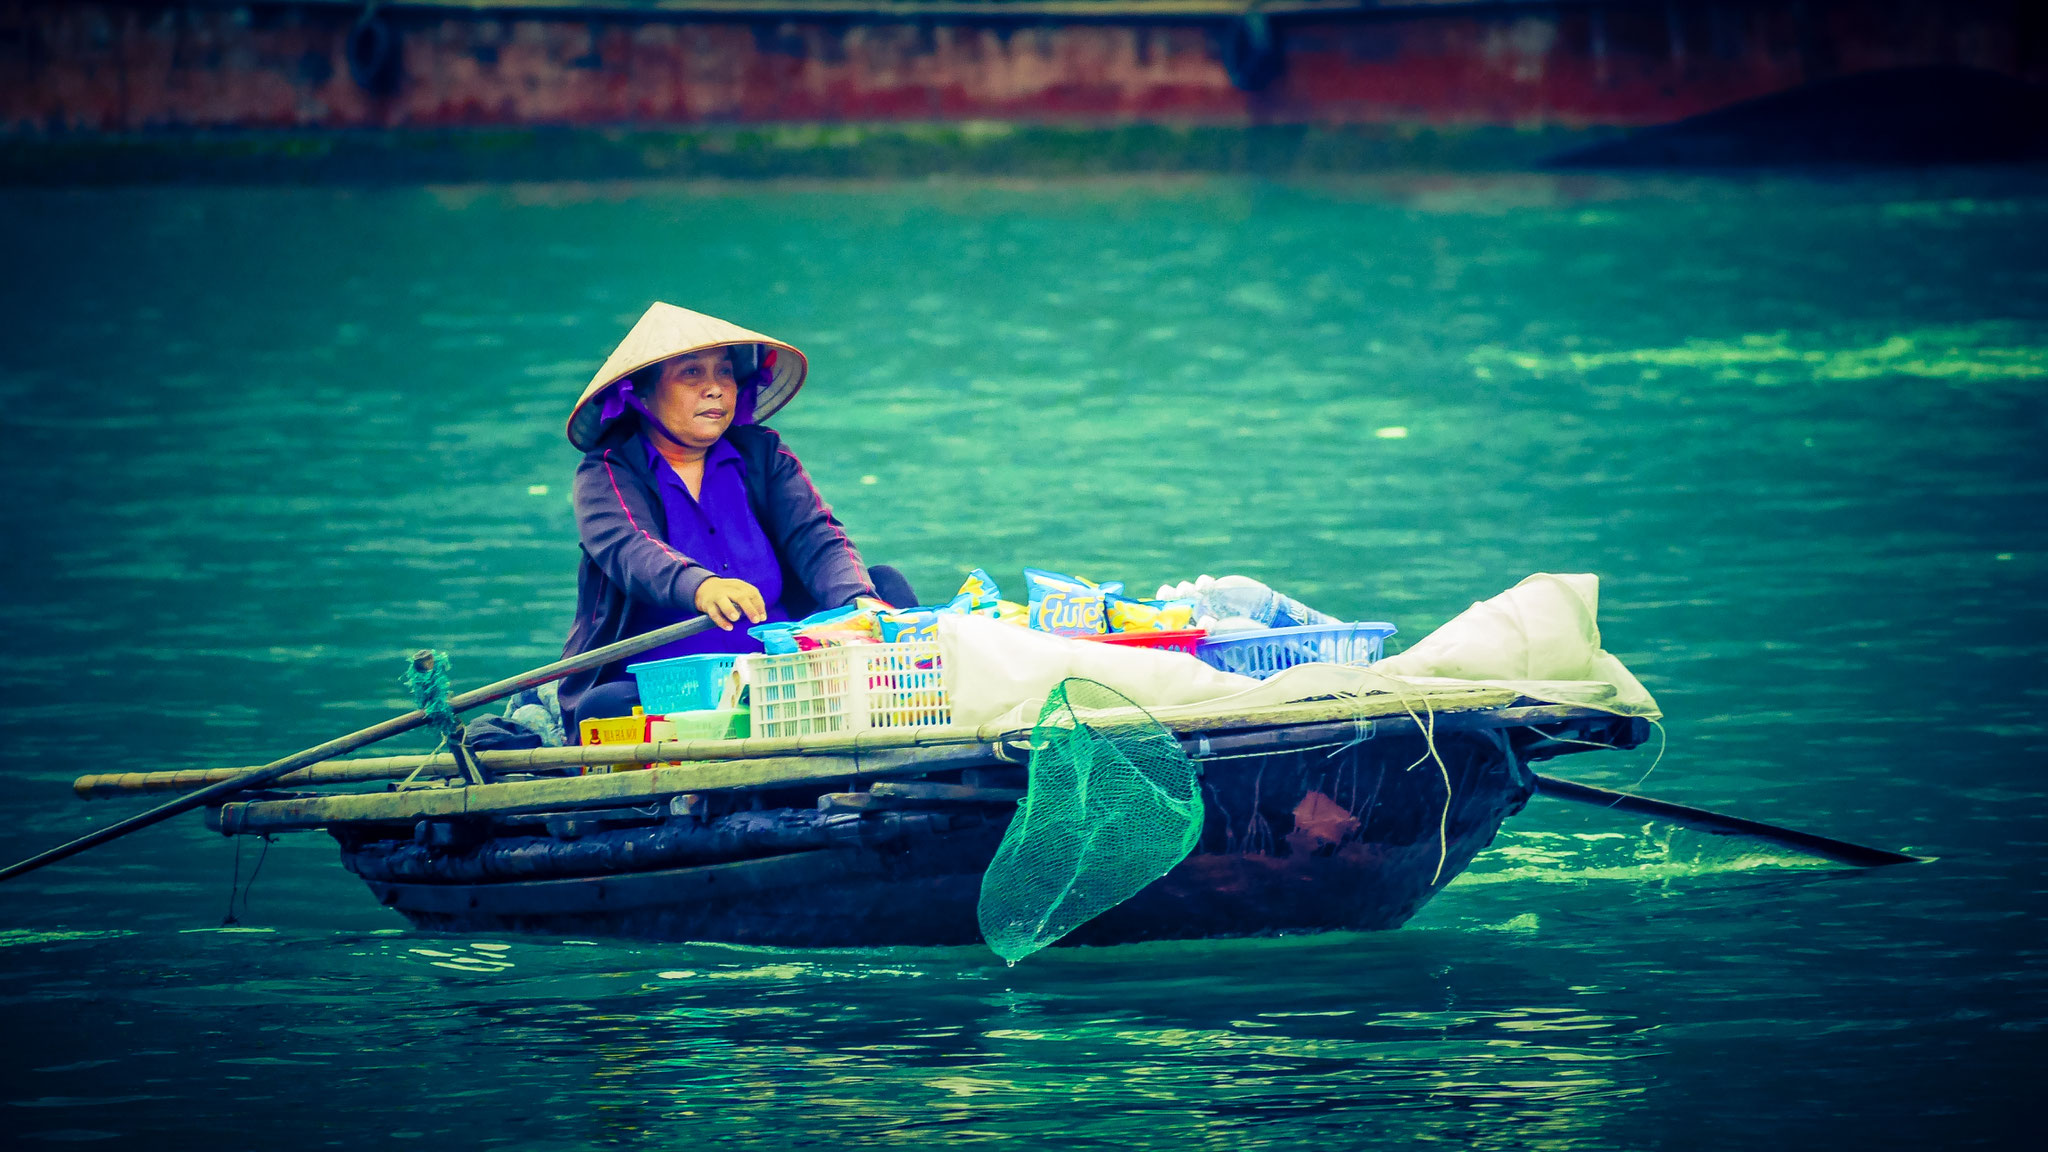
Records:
x=845, y=689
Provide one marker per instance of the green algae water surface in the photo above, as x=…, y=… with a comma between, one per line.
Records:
x=260, y=443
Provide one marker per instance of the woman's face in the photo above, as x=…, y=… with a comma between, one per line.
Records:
x=695, y=395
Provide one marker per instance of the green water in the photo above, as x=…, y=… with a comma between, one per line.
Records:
x=260, y=443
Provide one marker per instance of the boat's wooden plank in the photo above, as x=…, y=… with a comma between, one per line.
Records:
x=854, y=802
x=925, y=790
x=600, y=894
x=889, y=796
x=653, y=784
x=1436, y=700
x=608, y=790
x=1422, y=702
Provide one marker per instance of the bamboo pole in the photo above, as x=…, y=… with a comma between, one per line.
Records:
x=104, y=784
x=623, y=789
x=405, y=722
x=1437, y=700
x=787, y=771
x=616, y=789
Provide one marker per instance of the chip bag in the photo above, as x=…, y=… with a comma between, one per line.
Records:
x=777, y=639
x=1066, y=605
x=856, y=623
x=1126, y=615
x=862, y=626
x=910, y=625
x=977, y=592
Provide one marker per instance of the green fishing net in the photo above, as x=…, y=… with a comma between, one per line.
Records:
x=1113, y=804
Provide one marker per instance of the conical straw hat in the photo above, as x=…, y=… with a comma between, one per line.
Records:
x=666, y=330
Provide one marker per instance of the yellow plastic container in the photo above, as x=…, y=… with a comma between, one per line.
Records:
x=616, y=730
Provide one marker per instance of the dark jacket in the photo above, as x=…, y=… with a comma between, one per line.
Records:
x=626, y=556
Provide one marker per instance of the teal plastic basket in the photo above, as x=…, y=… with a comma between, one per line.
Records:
x=681, y=683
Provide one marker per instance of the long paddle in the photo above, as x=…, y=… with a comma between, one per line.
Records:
x=258, y=777
x=1825, y=847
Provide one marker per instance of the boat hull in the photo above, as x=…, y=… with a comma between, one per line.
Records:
x=1354, y=838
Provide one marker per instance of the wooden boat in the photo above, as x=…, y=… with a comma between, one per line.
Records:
x=1345, y=814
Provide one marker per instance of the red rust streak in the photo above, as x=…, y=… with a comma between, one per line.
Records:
x=114, y=66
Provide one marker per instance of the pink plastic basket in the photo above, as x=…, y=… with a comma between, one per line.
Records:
x=1179, y=640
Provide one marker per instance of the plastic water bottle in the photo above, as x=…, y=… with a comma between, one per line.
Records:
x=1244, y=596
x=1235, y=599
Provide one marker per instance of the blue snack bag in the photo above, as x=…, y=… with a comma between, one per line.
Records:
x=978, y=591
x=777, y=639
x=910, y=624
x=1065, y=605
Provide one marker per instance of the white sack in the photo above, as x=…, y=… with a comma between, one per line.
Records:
x=1532, y=637
x=994, y=669
x=1540, y=638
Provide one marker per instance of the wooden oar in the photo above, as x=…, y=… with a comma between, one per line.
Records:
x=1825, y=847
x=257, y=778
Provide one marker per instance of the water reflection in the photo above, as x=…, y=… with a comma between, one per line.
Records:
x=1104, y=1056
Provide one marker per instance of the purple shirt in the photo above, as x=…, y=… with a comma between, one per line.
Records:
x=718, y=530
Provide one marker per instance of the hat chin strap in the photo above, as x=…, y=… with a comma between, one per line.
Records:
x=649, y=419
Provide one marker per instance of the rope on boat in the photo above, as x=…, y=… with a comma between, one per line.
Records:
x=1361, y=731
x=1663, y=742
x=235, y=881
x=426, y=677
x=1427, y=722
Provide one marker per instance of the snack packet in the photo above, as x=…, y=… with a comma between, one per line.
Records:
x=1066, y=605
x=921, y=623
x=777, y=639
x=836, y=638
x=1127, y=615
x=977, y=592
x=910, y=624
x=857, y=623
x=862, y=626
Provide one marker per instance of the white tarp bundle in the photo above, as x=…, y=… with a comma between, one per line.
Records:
x=994, y=669
x=1540, y=637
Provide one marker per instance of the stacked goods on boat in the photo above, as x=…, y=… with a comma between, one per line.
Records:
x=872, y=665
x=851, y=785
x=1071, y=780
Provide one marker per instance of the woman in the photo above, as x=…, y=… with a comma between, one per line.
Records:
x=687, y=504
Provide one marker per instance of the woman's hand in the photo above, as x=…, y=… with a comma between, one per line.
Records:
x=726, y=601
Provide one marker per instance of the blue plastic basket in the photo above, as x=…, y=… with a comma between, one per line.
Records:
x=1260, y=654
x=681, y=683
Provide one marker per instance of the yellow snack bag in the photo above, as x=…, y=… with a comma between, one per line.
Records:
x=1150, y=615
x=863, y=626
x=1067, y=605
